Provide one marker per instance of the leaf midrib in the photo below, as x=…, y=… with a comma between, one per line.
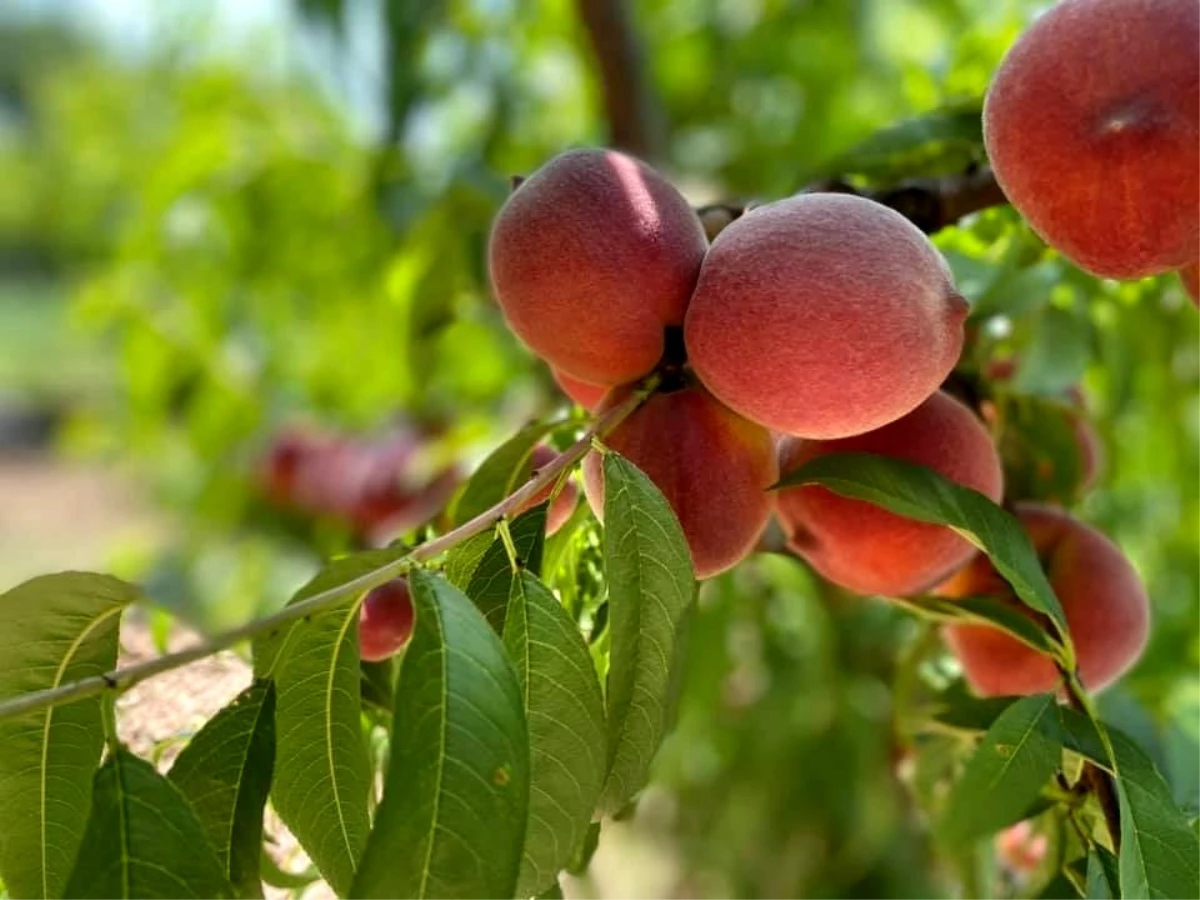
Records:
x=68, y=657
x=434, y=608
x=351, y=616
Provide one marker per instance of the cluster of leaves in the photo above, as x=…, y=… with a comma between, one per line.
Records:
x=503, y=748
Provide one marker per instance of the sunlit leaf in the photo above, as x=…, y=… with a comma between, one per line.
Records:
x=143, y=840
x=565, y=712
x=225, y=774
x=650, y=586
x=54, y=630
x=453, y=815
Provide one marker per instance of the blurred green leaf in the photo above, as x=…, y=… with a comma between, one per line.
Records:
x=143, y=840
x=565, y=712
x=455, y=799
x=225, y=774
x=650, y=584
x=1004, y=776
x=942, y=141
x=54, y=629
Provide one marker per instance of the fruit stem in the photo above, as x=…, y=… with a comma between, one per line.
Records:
x=122, y=679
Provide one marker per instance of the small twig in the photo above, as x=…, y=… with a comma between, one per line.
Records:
x=121, y=680
x=929, y=203
x=635, y=119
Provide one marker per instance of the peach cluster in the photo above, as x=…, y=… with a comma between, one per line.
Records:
x=820, y=324
x=820, y=316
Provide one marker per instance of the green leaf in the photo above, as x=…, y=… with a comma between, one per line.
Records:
x=919, y=493
x=492, y=580
x=650, y=585
x=1003, y=778
x=1103, y=879
x=453, y=815
x=1160, y=854
x=565, y=712
x=981, y=611
x=53, y=630
x=942, y=141
x=322, y=771
x=500, y=474
x=143, y=840
x=959, y=709
x=225, y=773
x=463, y=560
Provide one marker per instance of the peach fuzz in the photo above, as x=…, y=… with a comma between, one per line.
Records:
x=713, y=467
x=823, y=316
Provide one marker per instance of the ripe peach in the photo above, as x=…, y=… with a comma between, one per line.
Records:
x=584, y=393
x=385, y=621
x=1103, y=599
x=865, y=548
x=823, y=316
x=564, y=504
x=591, y=258
x=1092, y=124
x=713, y=466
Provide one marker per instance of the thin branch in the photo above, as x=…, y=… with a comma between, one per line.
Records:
x=635, y=119
x=120, y=680
x=929, y=203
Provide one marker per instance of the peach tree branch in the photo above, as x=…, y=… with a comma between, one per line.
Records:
x=122, y=679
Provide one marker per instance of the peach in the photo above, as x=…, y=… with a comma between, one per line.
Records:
x=590, y=259
x=865, y=548
x=713, y=467
x=385, y=621
x=823, y=316
x=1105, y=604
x=561, y=506
x=583, y=393
x=1092, y=125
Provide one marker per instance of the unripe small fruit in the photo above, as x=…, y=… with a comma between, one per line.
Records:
x=823, y=316
x=591, y=258
x=1092, y=125
x=713, y=467
x=385, y=621
x=1108, y=614
x=864, y=547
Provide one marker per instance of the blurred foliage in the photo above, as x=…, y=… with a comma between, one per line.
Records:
x=239, y=257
